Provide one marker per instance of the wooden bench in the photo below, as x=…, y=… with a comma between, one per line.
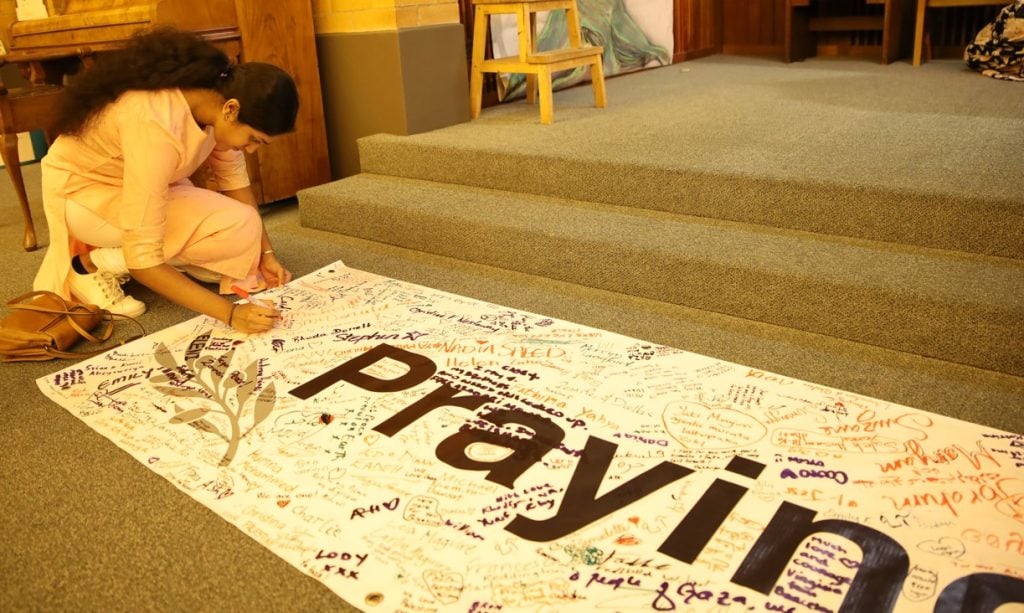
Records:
x=538, y=66
x=893, y=23
x=922, y=46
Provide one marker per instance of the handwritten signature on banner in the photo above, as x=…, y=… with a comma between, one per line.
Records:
x=416, y=450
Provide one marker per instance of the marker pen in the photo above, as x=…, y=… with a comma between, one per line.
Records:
x=245, y=296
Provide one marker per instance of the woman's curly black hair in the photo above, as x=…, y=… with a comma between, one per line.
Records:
x=168, y=58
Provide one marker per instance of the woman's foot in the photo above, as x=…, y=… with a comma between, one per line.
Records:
x=104, y=290
x=97, y=278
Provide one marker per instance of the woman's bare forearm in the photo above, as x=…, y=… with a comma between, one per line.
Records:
x=179, y=289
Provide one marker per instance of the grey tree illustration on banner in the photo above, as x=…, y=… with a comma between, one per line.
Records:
x=216, y=393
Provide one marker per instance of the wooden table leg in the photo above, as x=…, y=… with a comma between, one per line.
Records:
x=13, y=163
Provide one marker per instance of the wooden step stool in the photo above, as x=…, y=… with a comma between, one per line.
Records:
x=537, y=66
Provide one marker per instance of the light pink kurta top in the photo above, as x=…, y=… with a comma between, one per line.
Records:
x=122, y=167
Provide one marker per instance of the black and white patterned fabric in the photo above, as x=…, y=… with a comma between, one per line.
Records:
x=998, y=50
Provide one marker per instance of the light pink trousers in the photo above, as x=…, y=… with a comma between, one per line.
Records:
x=202, y=228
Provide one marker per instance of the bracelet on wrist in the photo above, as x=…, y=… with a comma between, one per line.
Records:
x=231, y=314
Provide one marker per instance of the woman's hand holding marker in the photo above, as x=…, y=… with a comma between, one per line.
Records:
x=252, y=315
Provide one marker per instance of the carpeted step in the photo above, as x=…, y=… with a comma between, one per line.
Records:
x=885, y=153
x=791, y=356
x=963, y=222
x=947, y=305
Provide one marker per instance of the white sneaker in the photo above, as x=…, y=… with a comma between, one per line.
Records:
x=110, y=259
x=104, y=290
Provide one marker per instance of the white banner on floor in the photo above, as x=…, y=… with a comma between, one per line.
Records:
x=416, y=450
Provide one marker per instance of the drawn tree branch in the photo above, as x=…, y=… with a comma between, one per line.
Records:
x=209, y=382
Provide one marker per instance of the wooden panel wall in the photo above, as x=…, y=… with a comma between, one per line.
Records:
x=752, y=26
x=697, y=28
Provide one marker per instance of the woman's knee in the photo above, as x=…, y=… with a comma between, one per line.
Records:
x=245, y=222
x=236, y=228
x=207, y=224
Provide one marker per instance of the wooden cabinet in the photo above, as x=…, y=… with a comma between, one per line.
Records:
x=280, y=32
